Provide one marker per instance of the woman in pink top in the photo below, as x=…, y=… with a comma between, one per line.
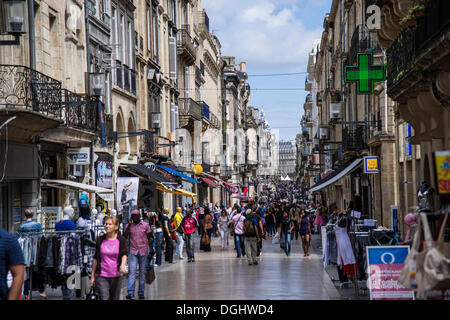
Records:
x=109, y=261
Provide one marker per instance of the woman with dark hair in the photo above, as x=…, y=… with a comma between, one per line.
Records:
x=207, y=223
x=305, y=231
x=223, y=228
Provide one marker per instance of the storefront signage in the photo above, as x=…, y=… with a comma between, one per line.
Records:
x=104, y=174
x=365, y=73
x=371, y=164
x=127, y=195
x=150, y=165
x=384, y=266
x=442, y=163
x=78, y=155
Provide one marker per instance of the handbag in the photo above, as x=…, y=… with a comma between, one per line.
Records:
x=92, y=295
x=205, y=239
x=231, y=226
x=413, y=267
x=436, y=265
x=150, y=275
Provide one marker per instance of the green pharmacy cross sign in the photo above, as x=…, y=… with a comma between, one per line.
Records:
x=365, y=73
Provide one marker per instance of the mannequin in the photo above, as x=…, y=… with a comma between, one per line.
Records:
x=66, y=224
x=113, y=213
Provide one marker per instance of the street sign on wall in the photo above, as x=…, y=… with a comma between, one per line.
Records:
x=371, y=164
x=79, y=155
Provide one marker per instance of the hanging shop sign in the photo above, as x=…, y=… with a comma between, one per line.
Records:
x=127, y=195
x=365, y=73
x=104, y=174
x=235, y=189
x=78, y=155
x=442, y=165
x=371, y=164
x=384, y=266
x=198, y=169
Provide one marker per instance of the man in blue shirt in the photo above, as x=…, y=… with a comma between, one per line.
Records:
x=29, y=225
x=11, y=259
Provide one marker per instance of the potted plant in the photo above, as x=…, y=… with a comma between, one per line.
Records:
x=409, y=20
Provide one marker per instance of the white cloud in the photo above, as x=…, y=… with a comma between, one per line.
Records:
x=261, y=32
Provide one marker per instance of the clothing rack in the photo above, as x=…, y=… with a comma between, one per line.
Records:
x=51, y=231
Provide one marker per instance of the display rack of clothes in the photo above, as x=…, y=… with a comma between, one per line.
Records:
x=48, y=255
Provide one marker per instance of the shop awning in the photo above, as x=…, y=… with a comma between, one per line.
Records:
x=67, y=184
x=209, y=182
x=180, y=192
x=337, y=175
x=179, y=174
x=146, y=172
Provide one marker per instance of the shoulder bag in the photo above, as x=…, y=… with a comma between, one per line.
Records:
x=436, y=264
x=92, y=295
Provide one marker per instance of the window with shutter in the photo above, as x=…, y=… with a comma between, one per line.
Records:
x=173, y=58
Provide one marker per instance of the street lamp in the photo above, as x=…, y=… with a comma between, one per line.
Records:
x=97, y=84
x=12, y=20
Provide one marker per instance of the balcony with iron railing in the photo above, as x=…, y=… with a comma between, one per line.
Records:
x=125, y=78
x=186, y=47
x=354, y=138
x=79, y=112
x=308, y=102
x=362, y=41
x=308, y=84
x=414, y=45
x=205, y=110
x=203, y=26
x=189, y=108
x=149, y=143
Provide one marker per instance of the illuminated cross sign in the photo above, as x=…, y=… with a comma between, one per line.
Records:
x=365, y=73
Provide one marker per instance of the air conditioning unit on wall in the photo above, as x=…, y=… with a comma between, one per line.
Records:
x=335, y=110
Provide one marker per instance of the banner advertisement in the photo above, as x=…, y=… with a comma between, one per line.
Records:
x=79, y=155
x=127, y=195
x=104, y=174
x=384, y=266
x=371, y=164
x=442, y=162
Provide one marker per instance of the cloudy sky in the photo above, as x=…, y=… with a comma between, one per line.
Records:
x=272, y=37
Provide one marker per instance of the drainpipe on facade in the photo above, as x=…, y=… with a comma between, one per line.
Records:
x=31, y=36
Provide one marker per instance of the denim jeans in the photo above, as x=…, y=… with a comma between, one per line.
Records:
x=169, y=250
x=180, y=244
x=67, y=293
x=134, y=261
x=287, y=242
x=158, y=249
x=240, y=244
x=190, y=246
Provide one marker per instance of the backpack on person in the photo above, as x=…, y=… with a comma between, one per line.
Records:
x=249, y=227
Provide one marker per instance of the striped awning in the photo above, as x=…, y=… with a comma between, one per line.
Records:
x=210, y=183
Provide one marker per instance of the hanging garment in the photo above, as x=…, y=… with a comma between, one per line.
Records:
x=332, y=247
x=344, y=247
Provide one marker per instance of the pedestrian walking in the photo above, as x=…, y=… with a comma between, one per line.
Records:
x=179, y=232
x=188, y=225
x=157, y=231
x=238, y=227
x=32, y=226
x=294, y=214
x=12, y=260
x=110, y=260
x=305, y=231
x=141, y=244
x=252, y=236
x=286, y=228
x=167, y=232
x=205, y=243
x=224, y=228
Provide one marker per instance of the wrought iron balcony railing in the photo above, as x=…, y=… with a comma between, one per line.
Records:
x=79, y=112
x=354, y=138
x=149, y=145
x=190, y=107
x=25, y=88
x=203, y=22
x=186, y=46
x=205, y=110
x=119, y=76
x=126, y=78
x=362, y=41
x=412, y=42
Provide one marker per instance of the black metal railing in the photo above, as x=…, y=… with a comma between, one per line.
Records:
x=202, y=68
x=205, y=110
x=149, y=145
x=119, y=76
x=362, y=41
x=79, y=111
x=126, y=78
x=185, y=42
x=133, y=81
x=354, y=138
x=308, y=98
x=23, y=87
x=411, y=42
x=188, y=106
x=400, y=57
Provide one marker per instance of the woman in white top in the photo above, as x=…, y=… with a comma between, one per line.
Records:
x=223, y=228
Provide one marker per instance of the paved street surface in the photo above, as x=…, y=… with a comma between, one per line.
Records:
x=220, y=275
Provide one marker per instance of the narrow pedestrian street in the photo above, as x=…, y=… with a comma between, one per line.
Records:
x=220, y=275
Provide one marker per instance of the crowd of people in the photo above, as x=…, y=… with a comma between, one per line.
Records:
x=134, y=245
